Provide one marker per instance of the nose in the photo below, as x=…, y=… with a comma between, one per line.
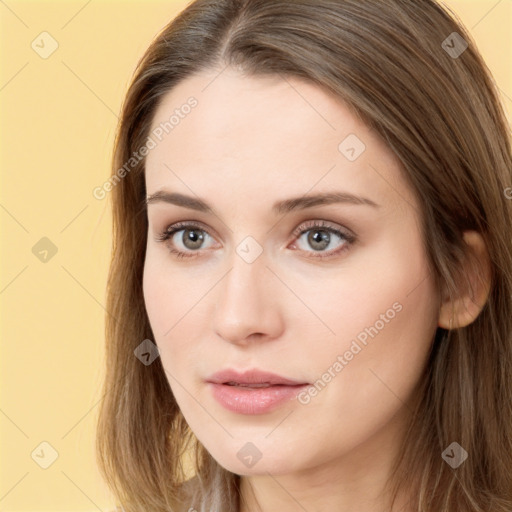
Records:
x=248, y=303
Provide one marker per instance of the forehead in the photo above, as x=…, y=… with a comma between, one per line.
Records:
x=263, y=134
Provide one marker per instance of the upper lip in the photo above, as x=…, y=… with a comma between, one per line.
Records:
x=253, y=376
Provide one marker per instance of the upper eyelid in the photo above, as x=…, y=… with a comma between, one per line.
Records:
x=348, y=236
x=303, y=227
x=320, y=223
x=178, y=226
x=308, y=224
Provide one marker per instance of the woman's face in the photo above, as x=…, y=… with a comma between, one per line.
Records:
x=334, y=294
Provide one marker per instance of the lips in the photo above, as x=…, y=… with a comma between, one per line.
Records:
x=252, y=379
x=254, y=391
x=262, y=385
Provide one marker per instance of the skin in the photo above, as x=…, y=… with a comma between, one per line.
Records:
x=248, y=143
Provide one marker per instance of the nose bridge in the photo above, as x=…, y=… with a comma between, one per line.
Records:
x=246, y=303
x=243, y=286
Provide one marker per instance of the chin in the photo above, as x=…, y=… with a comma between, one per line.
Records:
x=250, y=460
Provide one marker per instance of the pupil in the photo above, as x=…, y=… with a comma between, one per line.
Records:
x=318, y=239
x=322, y=239
x=191, y=236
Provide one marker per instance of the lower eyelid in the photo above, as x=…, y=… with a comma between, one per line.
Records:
x=207, y=234
x=348, y=239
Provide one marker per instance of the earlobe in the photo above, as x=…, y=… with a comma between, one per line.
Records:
x=473, y=291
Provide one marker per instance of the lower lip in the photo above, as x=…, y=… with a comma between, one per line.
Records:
x=254, y=400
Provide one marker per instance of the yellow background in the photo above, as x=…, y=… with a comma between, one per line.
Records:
x=58, y=117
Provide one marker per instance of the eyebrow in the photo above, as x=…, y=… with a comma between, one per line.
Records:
x=280, y=207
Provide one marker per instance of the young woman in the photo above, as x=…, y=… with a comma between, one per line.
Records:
x=310, y=295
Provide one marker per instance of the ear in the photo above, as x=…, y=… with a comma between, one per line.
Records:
x=474, y=290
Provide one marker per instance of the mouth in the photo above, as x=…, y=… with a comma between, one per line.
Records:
x=252, y=379
x=254, y=391
x=262, y=385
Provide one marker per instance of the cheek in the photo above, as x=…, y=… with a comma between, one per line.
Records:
x=156, y=297
x=377, y=286
x=168, y=293
x=384, y=315
x=171, y=299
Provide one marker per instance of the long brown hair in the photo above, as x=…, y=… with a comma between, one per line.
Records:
x=434, y=102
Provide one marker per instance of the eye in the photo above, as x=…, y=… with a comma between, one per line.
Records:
x=321, y=235
x=191, y=240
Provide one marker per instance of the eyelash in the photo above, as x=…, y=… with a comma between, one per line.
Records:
x=303, y=228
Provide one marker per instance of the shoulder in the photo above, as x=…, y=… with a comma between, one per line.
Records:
x=188, y=496
x=189, y=487
x=175, y=508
